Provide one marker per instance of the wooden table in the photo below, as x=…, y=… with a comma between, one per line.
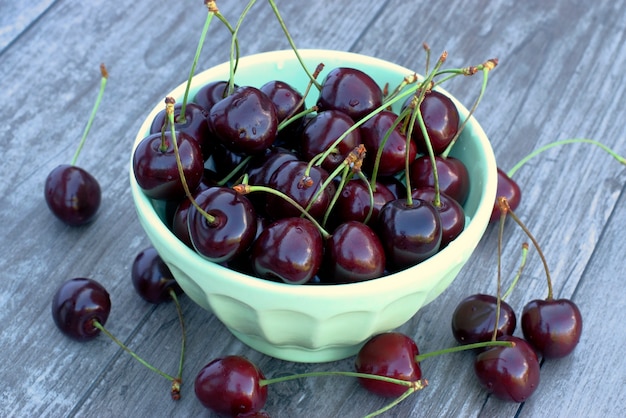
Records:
x=561, y=75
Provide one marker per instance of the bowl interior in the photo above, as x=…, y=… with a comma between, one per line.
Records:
x=240, y=301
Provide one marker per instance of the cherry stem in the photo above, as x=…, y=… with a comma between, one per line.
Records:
x=293, y=45
x=523, y=161
x=234, y=47
x=419, y=384
x=169, y=110
x=179, y=377
x=519, y=271
x=420, y=357
x=246, y=188
x=105, y=331
x=235, y=170
x=486, y=68
x=232, y=32
x=503, y=214
x=103, y=83
x=504, y=206
x=295, y=117
x=395, y=402
x=182, y=118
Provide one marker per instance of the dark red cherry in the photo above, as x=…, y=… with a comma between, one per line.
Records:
x=180, y=227
x=152, y=278
x=351, y=91
x=508, y=188
x=73, y=195
x=291, y=179
x=195, y=125
x=510, y=373
x=245, y=122
x=232, y=228
x=287, y=99
x=156, y=170
x=452, y=172
x=390, y=354
x=289, y=249
x=393, y=157
x=211, y=93
x=553, y=327
x=354, y=201
x=226, y=162
x=322, y=131
x=353, y=253
x=441, y=119
x=450, y=211
x=474, y=319
x=231, y=386
x=410, y=233
x=77, y=304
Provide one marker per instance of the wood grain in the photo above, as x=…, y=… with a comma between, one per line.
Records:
x=560, y=76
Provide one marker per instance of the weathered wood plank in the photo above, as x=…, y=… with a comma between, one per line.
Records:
x=16, y=17
x=555, y=80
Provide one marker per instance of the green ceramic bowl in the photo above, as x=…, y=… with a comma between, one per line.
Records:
x=325, y=322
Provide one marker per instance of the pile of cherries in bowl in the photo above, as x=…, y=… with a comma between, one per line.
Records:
x=283, y=193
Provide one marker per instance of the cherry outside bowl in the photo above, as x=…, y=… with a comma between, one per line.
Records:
x=316, y=323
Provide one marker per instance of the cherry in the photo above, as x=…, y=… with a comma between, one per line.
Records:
x=231, y=386
x=410, y=232
x=474, y=319
x=195, y=125
x=510, y=373
x=354, y=204
x=211, y=93
x=353, y=254
x=245, y=121
x=152, y=278
x=225, y=227
x=553, y=327
x=452, y=173
x=79, y=303
x=291, y=178
x=450, y=211
x=393, y=154
x=322, y=131
x=289, y=249
x=508, y=188
x=227, y=162
x=441, y=119
x=351, y=91
x=156, y=170
x=287, y=99
x=390, y=354
x=71, y=193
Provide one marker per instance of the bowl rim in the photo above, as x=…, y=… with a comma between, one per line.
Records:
x=390, y=283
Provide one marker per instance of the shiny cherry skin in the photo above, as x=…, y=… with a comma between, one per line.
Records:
x=322, y=131
x=391, y=354
x=410, y=233
x=553, y=327
x=354, y=201
x=450, y=211
x=195, y=125
x=289, y=250
x=152, y=278
x=508, y=188
x=353, y=254
x=245, y=122
x=291, y=180
x=226, y=161
x=510, y=373
x=441, y=118
x=72, y=194
x=474, y=319
x=231, y=386
x=351, y=91
x=77, y=304
x=393, y=157
x=155, y=167
x=286, y=98
x=232, y=230
x=211, y=93
x=452, y=172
